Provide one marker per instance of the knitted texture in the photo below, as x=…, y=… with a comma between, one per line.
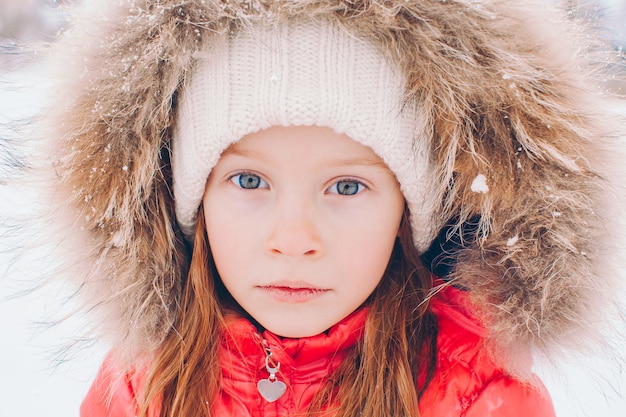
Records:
x=310, y=73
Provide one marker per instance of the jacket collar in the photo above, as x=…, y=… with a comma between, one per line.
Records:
x=244, y=343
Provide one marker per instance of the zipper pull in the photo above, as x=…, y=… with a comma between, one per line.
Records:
x=271, y=388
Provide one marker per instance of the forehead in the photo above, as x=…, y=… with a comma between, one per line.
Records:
x=305, y=141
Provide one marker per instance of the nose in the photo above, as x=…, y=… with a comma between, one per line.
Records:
x=295, y=229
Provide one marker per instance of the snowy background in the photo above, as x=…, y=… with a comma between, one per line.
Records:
x=36, y=381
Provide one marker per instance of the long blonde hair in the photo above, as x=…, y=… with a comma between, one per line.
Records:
x=383, y=375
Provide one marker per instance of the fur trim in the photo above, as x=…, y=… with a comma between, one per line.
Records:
x=516, y=139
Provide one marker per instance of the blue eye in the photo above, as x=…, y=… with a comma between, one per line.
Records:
x=346, y=187
x=248, y=181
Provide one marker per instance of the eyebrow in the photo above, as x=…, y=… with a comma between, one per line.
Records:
x=359, y=162
x=334, y=162
x=250, y=154
x=232, y=150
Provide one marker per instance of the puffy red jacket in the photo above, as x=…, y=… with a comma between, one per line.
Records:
x=466, y=384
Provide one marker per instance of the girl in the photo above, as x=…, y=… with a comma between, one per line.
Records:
x=264, y=187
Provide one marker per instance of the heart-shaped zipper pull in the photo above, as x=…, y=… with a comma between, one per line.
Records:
x=271, y=388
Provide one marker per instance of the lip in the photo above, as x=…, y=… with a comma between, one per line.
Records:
x=293, y=292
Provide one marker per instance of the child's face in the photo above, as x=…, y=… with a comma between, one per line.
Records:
x=301, y=223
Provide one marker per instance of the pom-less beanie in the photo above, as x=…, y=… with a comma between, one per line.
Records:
x=299, y=73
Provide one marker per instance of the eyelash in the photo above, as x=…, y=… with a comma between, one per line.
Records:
x=263, y=184
x=360, y=186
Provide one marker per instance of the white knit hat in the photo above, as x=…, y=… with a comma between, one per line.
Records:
x=298, y=73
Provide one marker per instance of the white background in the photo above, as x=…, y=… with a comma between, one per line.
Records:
x=34, y=381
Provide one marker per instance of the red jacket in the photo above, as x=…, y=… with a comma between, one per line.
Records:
x=466, y=384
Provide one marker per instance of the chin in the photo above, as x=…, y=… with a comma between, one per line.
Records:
x=296, y=332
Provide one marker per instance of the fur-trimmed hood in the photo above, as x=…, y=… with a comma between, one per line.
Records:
x=517, y=141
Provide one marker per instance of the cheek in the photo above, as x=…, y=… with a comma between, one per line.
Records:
x=368, y=250
x=222, y=230
x=374, y=230
x=235, y=238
